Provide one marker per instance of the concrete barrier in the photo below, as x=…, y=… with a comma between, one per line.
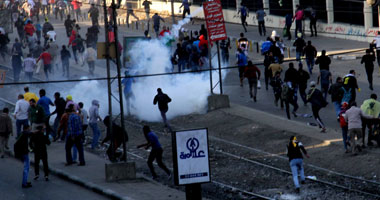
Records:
x=218, y=101
x=120, y=171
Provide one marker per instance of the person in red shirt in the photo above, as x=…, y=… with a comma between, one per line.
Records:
x=164, y=30
x=299, y=16
x=252, y=73
x=76, y=6
x=29, y=29
x=46, y=58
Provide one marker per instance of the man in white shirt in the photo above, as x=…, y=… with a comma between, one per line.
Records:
x=45, y=7
x=21, y=113
x=90, y=57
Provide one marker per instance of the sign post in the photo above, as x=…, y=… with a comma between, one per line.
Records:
x=216, y=30
x=191, y=161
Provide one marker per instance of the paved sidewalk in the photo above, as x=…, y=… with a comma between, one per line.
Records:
x=92, y=176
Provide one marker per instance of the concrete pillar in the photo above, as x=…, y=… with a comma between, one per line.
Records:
x=266, y=6
x=238, y=2
x=368, y=20
x=330, y=11
x=295, y=3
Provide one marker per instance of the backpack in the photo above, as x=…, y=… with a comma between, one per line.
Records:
x=342, y=121
x=74, y=125
x=346, y=95
x=265, y=47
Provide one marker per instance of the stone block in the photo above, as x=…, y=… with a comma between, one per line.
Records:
x=218, y=101
x=120, y=171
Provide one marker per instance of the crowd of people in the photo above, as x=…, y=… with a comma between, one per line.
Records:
x=40, y=39
x=34, y=130
x=32, y=113
x=298, y=19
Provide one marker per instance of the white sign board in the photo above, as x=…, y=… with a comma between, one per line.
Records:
x=191, y=162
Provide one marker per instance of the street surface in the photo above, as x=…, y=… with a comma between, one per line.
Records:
x=56, y=188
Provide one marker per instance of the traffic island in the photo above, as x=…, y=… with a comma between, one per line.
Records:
x=120, y=171
x=217, y=101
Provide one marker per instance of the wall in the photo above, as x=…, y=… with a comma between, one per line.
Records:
x=335, y=30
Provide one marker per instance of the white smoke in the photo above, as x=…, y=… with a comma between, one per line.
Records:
x=188, y=91
x=178, y=26
x=86, y=91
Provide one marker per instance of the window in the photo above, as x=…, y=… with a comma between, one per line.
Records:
x=275, y=8
x=198, y=2
x=318, y=5
x=348, y=12
x=253, y=5
x=229, y=4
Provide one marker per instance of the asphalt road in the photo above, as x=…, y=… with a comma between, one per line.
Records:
x=265, y=99
x=56, y=188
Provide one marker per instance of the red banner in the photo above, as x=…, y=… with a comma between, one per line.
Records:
x=214, y=20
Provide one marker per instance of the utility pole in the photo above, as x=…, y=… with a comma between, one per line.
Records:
x=107, y=55
x=173, y=17
x=114, y=7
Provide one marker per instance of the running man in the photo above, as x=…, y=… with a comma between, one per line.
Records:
x=155, y=153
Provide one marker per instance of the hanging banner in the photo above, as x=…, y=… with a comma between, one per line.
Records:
x=214, y=20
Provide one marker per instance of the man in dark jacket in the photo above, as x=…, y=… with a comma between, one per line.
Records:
x=162, y=99
x=116, y=137
x=323, y=61
x=65, y=58
x=60, y=105
x=94, y=14
x=252, y=73
x=336, y=95
x=19, y=24
x=39, y=141
x=368, y=60
x=317, y=101
x=36, y=115
x=350, y=83
x=291, y=75
x=268, y=60
x=288, y=24
x=310, y=52
x=69, y=25
x=46, y=28
x=5, y=130
x=294, y=149
x=299, y=44
x=21, y=149
x=303, y=77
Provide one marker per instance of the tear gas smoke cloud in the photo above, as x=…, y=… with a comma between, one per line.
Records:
x=188, y=91
x=178, y=26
